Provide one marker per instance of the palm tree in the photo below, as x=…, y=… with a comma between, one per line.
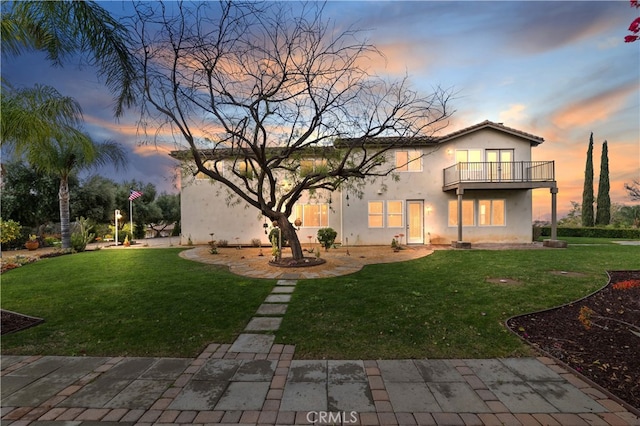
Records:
x=41, y=126
x=61, y=28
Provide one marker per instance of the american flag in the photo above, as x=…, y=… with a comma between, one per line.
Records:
x=134, y=194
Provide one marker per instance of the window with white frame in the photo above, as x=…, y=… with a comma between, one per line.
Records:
x=469, y=163
x=376, y=214
x=210, y=164
x=408, y=161
x=312, y=215
x=491, y=212
x=395, y=214
x=468, y=156
x=313, y=165
x=243, y=168
x=467, y=213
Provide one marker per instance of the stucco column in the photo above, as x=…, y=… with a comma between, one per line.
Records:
x=554, y=218
x=459, y=193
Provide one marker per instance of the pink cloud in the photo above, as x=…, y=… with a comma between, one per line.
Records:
x=597, y=108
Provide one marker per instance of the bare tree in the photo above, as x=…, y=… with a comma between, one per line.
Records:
x=633, y=190
x=270, y=85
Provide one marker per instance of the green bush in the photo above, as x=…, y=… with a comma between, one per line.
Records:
x=81, y=237
x=273, y=238
x=9, y=231
x=326, y=237
x=51, y=241
x=588, y=232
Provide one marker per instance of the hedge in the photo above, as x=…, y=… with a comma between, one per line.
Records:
x=626, y=233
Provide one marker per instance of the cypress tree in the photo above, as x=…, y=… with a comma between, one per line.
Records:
x=603, y=211
x=587, y=192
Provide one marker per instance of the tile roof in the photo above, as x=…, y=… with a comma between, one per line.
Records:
x=398, y=141
x=497, y=126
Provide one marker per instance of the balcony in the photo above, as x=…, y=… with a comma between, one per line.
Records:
x=500, y=175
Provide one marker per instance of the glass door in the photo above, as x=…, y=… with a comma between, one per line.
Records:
x=415, y=222
x=500, y=164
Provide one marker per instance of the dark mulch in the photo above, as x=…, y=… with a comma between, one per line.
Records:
x=13, y=321
x=594, y=336
x=290, y=262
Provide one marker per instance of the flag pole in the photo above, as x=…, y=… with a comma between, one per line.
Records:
x=131, y=216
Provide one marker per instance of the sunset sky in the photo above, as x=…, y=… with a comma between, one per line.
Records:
x=557, y=69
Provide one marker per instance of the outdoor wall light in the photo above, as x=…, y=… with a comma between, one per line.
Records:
x=117, y=217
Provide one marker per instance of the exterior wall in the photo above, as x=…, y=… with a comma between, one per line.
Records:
x=205, y=208
x=426, y=186
x=492, y=139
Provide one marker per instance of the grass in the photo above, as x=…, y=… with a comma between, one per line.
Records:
x=144, y=302
x=441, y=306
x=151, y=302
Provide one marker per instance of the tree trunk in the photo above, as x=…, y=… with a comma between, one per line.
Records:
x=289, y=231
x=63, y=197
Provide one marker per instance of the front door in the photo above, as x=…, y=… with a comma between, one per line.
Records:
x=415, y=222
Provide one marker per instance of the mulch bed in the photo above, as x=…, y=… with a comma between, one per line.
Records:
x=13, y=322
x=596, y=336
x=289, y=262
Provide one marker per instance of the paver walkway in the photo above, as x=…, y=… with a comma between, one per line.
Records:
x=262, y=383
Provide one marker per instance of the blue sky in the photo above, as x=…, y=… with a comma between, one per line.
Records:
x=557, y=69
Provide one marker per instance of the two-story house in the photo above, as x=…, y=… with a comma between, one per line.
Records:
x=470, y=186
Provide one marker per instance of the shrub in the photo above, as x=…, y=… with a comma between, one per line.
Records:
x=9, y=231
x=273, y=237
x=82, y=236
x=326, y=237
x=588, y=232
x=223, y=243
x=213, y=247
x=51, y=241
x=256, y=242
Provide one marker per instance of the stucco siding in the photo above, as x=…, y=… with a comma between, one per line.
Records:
x=498, y=215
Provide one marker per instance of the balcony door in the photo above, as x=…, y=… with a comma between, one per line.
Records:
x=500, y=164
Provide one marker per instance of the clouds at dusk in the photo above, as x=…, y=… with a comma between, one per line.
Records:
x=557, y=69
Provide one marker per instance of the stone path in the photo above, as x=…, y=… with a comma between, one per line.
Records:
x=270, y=387
x=247, y=262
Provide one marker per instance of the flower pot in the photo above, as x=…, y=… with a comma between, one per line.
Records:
x=32, y=245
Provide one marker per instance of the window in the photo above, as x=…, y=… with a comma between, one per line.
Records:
x=491, y=212
x=468, y=156
x=467, y=213
x=209, y=164
x=469, y=171
x=394, y=214
x=317, y=165
x=312, y=214
x=408, y=161
x=376, y=214
x=243, y=168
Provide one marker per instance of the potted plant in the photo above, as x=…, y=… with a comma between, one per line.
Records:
x=32, y=243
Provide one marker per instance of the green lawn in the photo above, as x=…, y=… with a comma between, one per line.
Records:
x=151, y=302
x=143, y=302
x=442, y=306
